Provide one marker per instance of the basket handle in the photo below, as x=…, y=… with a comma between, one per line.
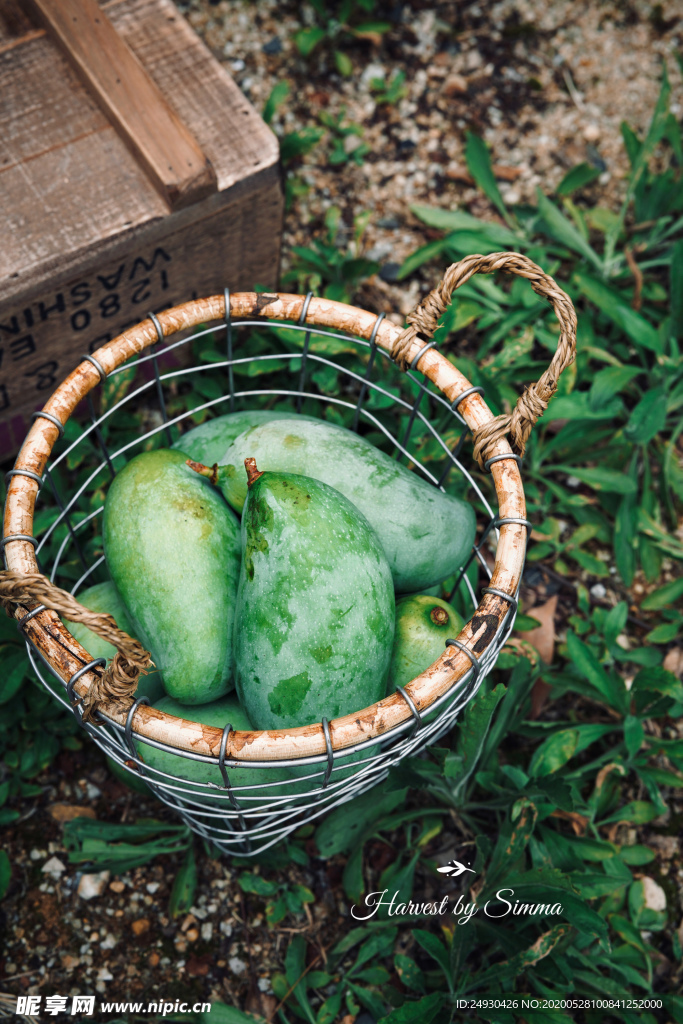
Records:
x=532, y=403
x=120, y=678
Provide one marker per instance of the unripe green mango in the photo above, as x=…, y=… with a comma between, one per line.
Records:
x=315, y=606
x=218, y=714
x=209, y=442
x=423, y=624
x=172, y=548
x=105, y=598
x=426, y=534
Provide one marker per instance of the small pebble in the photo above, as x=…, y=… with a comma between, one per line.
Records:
x=598, y=591
x=273, y=46
x=591, y=133
x=236, y=965
x=207, y=931
x=455, y=85
x=655, y=897
x=91, y=886
x=54, y=868
x=117, y=886
x=152, y=887
x=140, y=926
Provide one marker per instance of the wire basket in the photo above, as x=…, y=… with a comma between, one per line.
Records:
x=335, y=760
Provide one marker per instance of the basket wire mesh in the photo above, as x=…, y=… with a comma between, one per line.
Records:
x=247, y=819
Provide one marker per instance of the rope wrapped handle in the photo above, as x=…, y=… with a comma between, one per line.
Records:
x=532, y=403
x=119, y=680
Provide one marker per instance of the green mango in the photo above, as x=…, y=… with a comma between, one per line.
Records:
x=209, y=442
x=172, y=548
x=423, y=624
x=104, y=597
x=315, y=605
x=426, y=534
x=218, y=714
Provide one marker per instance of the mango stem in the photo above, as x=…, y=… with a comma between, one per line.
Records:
x=253, y=473
x=210, y=472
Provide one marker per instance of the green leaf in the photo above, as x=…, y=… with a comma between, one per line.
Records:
x=409, y=973
x=576, y=406
x=5, y=873
x=664, y=633
x=343, y=63
x=638, y=812
x=525, y=623
x=648, y=418
x=634, y=734
x=14, y=666
x=342, y=829
x=329, y=1010
x=578, y=177
x=257, y=884
x=184, y=886
x=609, y=302
x=642, y=915
x=420, y=256
x=307, y=39
x=436, y=949
x=472, y=732
x=458, y=220
x=588, y=665
x=627, y=931
x=421, y=1012
x=554, y=752
x=625, y=534
x=352, y=879
x=221, y=1013
x=278, y=95
x=479, y=165
x=609, y=381
x=376, y=947
x=602, y=479
x=615, y=620
x=640, y=155
x=676, y=289
x=636, y=854
x=563, y=231
x=663, y=596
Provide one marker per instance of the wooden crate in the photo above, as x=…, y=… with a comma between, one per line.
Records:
x=93, y=237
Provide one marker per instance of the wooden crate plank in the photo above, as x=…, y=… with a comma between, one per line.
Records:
x=98, y=192
x=43, y=334
x=28, y=125
x=225, y=124
x=133, y=103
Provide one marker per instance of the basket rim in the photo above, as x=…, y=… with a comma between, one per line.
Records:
x=65, y=656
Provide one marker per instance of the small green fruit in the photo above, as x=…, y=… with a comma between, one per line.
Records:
x=423, y=624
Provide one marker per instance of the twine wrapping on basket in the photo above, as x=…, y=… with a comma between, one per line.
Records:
x=532, y=403
x=120, y=679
